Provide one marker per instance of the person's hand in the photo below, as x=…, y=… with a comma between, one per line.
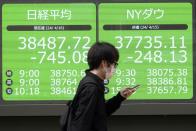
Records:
x=126, y=92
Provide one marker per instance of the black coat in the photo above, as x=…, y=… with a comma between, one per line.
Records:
x=89, y=110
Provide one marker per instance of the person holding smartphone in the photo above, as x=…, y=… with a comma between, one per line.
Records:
x=89, y=110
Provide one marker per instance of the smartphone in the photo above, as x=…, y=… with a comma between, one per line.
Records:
x=135, y=87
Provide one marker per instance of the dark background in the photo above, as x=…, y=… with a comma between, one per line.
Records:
x=115, y=123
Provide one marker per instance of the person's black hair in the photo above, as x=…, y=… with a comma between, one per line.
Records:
x=102, y=51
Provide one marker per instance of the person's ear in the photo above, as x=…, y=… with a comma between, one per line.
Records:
x=103, y=64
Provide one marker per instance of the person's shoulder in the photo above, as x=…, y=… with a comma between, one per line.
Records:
x=89, y=85
x=88, y=81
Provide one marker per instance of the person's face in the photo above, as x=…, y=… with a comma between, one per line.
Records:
x=109, y=69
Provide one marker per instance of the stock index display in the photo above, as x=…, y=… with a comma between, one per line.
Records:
x=44, y=48
x=156, y=47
